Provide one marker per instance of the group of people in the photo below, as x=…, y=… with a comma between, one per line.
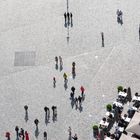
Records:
x=68, y=19
x=24, y=135
x=20, y=134
x=77, y=101
x=119, y=16
x=58, y=59
x=75, y=137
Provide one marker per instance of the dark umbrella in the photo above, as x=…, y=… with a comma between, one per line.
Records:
x=129, y=95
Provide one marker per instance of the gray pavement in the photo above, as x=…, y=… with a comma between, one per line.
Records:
x=38, y=26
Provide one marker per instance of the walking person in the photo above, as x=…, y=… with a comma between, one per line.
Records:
x=75, y=137
x=68, y=16
x=26, y=135
x=45, y=135
x=54, y=82
x=56, y=62
x=139, y=32
x=71, y=16
x=26, y=112
x=73, y=89
x=22, y=133
x=76, y=102
x=72, y=96
x=65, y=77
x=69, y=130
x=71, y=20
x=102, y=35
x=61, y=63
x=47, y=113
x=36, y=121
x=65, y=17
x=54, y=109
x=17, y=131
x=7, y=135
x=82, y=91
x=73, y=69
x=80, y=100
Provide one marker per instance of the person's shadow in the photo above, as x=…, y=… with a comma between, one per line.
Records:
x=121, y=21
x=26, y=116
x=65, y=25
x=54, y=118
x=70, y=137
x=66, y=84
x=56, y=66
x=17, y=138
x=73, y=75
x=36, y=132
x=72, y=102
x=80, y=108
x=47, y=117
x=61, y=67
x=71, y=23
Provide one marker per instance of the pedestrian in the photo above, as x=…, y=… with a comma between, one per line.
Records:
x=45, y=135
x=73, y=89
x=102, y=35
x=17, y=131
x=73, y=64
x=71, y=15
x=80, y=100
x=65, y=16
x=73, y=71
x=68, y=16
x=60, y=60
x=46, y=109
x=65, y=77
x=26, y=107
x=72, y=96
x=139, y=32
x=69, y=130
x=26, y=135
x=53, y=109
x=56, y=59
x=7, y=135
x=75, y=137
x=82, y=91
x=36, y=121
x=54, y=82
x=21, y=133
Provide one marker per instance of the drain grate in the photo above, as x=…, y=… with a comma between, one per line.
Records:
x=25, y=58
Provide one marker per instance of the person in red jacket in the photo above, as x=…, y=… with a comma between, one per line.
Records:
x=82, y=91
x=26, y=135
x=7, y=135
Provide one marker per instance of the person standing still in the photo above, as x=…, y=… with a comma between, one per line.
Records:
x=26, y=135
x=45, y=135
x=102, y=35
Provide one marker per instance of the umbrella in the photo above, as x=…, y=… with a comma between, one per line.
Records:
x=135, y=129
x=129, y=95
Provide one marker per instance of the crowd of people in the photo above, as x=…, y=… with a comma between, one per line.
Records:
x=68, y=19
